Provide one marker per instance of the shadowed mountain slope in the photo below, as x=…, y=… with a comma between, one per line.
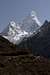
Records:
x=8, y=48
x=40, y=42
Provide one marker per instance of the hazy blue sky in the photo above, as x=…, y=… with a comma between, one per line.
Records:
x=17, y=9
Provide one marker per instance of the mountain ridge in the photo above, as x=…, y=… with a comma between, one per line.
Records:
x=15, y=33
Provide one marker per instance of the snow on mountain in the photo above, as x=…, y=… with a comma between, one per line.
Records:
x=31, y=23
x=16, y=32
x=34, y=17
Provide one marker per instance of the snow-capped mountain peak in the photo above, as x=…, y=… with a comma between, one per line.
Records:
x=12, y=23
x=33, y=13
x=34, y=17
x=16, y=32
x=30, y=23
